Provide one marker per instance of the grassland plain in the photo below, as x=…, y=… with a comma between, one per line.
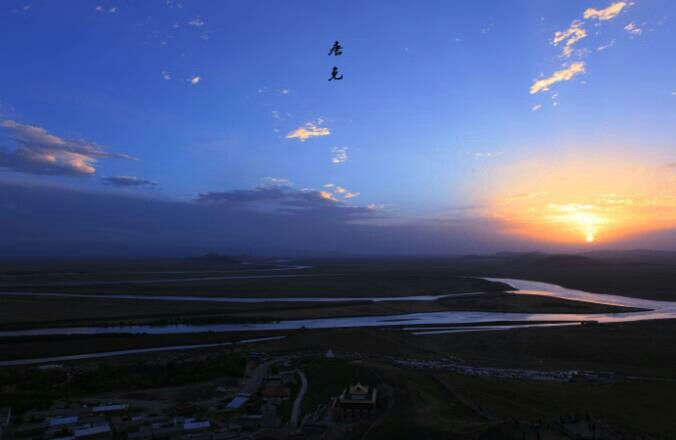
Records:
x=640, y=274
x=37, y=311
x=418, y=400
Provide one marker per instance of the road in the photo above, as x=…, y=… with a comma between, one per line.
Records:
x=256, y=380
x=295, y=413
x=252, y=386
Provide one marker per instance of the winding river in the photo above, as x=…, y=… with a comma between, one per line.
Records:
x=651, y=310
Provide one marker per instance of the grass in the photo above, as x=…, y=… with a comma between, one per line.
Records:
x=27, y=388
x=420, y=405
x=636, y=407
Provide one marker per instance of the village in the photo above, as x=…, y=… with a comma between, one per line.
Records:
x=265, y=403
x=270, y=401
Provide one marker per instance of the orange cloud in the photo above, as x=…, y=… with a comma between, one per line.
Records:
x=571, y=36
x=560, y=75
x=327, y=196
x=607, y=13
x=310, y=129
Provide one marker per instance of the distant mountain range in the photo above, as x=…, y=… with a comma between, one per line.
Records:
x=213, y=257
x=635, y=255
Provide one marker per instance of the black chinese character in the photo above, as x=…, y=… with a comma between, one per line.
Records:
x=336, y=50
x=334, y=74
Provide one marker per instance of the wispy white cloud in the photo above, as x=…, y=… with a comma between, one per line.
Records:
x=633, y=29
x=25, y=8
x=340, y=155
x=311, y=129
x=605, y=14
x=197, y=22
x=174, y=4
x=606, y=46
x=486, y=153
x=536, y=107
x=166, y=75
x=275, y=181
x=100, y=8
x=560, y=75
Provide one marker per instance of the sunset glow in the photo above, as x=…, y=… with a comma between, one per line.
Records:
x=573, y=203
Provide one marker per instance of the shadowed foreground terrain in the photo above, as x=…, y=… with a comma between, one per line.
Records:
x=456, y=385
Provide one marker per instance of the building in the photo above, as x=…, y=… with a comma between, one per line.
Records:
x=238, y=401
x=193, y=424
x=356, y=402
x=111, y=408
x=62, y=420
x=99, y=430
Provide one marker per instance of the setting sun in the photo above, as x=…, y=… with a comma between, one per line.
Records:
x=578, y=218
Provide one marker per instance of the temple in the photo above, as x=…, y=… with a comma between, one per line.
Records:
x=356, y=402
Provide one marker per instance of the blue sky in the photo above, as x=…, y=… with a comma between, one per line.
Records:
x=169, y=99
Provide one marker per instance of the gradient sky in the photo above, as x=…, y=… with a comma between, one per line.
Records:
x=458, y=127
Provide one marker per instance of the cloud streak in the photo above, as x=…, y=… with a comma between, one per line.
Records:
x=311, y=129
x=283, y=199
x=572, y=36
x=39, y=152
x=605, y=14
x=566, y=74
x=128, y=181
x=633, y=29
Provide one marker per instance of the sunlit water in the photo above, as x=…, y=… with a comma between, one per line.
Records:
x=654, y=310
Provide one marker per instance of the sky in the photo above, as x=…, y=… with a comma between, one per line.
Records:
x=180, y=126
